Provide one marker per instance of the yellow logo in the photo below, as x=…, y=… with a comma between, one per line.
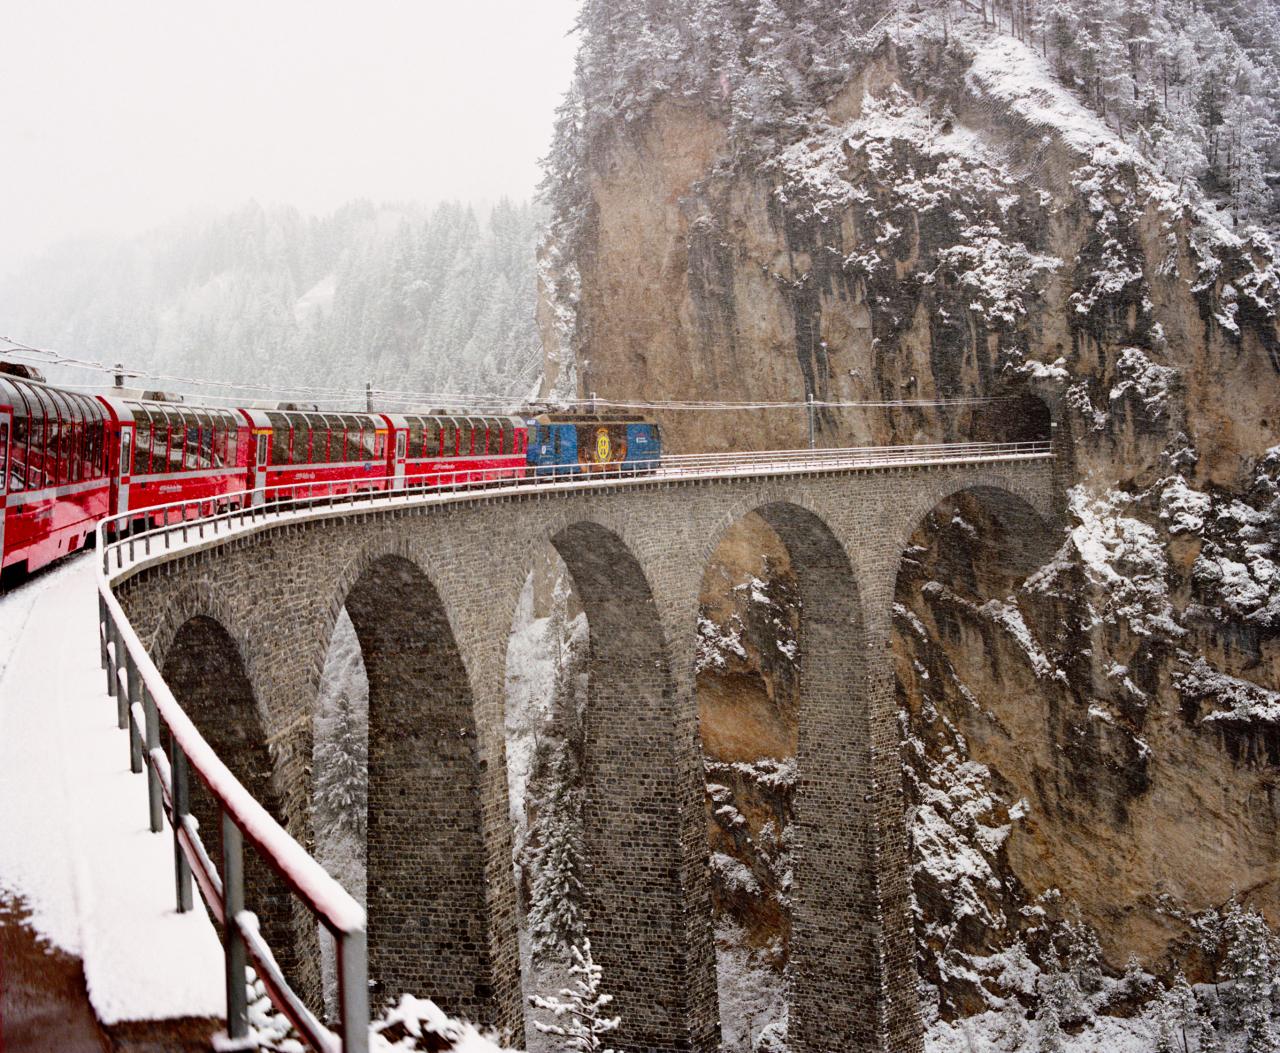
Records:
x=603, y=449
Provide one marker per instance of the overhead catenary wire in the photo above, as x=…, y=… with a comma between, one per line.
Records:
x=476, y=401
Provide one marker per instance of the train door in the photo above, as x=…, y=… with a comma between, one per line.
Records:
x=124, y=466
x=258, y=466
x=6, y=427
x=402, y=449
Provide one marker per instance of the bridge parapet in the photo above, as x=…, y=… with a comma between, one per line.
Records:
x=276, y=576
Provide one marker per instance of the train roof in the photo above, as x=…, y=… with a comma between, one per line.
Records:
x=39, y=399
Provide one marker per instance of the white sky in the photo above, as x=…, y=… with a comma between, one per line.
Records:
x=118, y=115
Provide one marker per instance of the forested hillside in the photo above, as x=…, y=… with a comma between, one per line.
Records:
x=407, y=297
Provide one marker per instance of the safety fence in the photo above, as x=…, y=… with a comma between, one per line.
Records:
x=147, y=707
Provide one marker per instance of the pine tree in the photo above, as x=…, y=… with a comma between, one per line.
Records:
x=341, y=763
x=580, y=1007
x=1175, y=1013
x=1059, y=1000
x=1251, y=962
x=557, y=898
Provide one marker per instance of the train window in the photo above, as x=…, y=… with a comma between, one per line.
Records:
x=160, y=442
x=417, y=437
x=37, y=466
x=190, y=440
x=446, y=439
x=153, y=430
x=351, y=442
x=204, y=439
x=80, y=455
x=126, y=451
x=144, y=439
x=279, y=438
x=18, y=459
x=53, y=431
x=84, y=443
x=508, y=437
x=320, y=440
x=430, y=437
x=64, y=443
x=19, y=452
x=177, y=440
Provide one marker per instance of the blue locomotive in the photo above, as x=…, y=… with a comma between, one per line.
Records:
x=574, y=443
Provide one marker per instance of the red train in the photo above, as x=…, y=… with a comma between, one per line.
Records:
x=69, y=460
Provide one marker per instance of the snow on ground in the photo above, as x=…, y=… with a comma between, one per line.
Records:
x=993, y=1032
x=1009, y=72
x=75, y=847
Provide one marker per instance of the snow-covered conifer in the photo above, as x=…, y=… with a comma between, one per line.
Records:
x=580, y=1010
x=341, y=772
x=557, y=897
x=1251, y=962
x=1176, y=1017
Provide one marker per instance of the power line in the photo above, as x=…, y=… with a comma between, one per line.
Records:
x=493, y=402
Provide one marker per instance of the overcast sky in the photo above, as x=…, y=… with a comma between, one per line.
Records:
x=118, y=115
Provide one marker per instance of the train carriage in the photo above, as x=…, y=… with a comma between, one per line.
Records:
x=443, y=450
x=53, y=464
x=302, y=453
x=578, y=443
x=165, y=452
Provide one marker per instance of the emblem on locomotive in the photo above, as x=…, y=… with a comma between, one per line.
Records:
x=603, y=448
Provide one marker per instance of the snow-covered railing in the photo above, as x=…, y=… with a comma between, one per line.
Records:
x=145, y=702
x=165, y=527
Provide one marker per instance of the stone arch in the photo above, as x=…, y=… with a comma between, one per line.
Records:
x=839, y=990
x=1023, y=510
x=428, y=922
x=205, y=669
x=646, y=912
x=957, y=560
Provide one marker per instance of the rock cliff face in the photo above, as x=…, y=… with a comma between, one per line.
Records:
x=1098, y=741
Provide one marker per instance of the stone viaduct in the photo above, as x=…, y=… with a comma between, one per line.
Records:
x=240, y=628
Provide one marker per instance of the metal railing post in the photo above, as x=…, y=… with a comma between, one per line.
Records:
x=233, y=939
x=102, y=626
x=135, y=732
x=353, y=992
x=113, y=670
x=152, y=719
x=181, y=808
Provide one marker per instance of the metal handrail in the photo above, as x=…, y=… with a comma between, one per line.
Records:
x=145, y=701
x=144, y=704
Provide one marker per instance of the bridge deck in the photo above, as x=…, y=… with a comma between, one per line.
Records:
x=186, y=533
